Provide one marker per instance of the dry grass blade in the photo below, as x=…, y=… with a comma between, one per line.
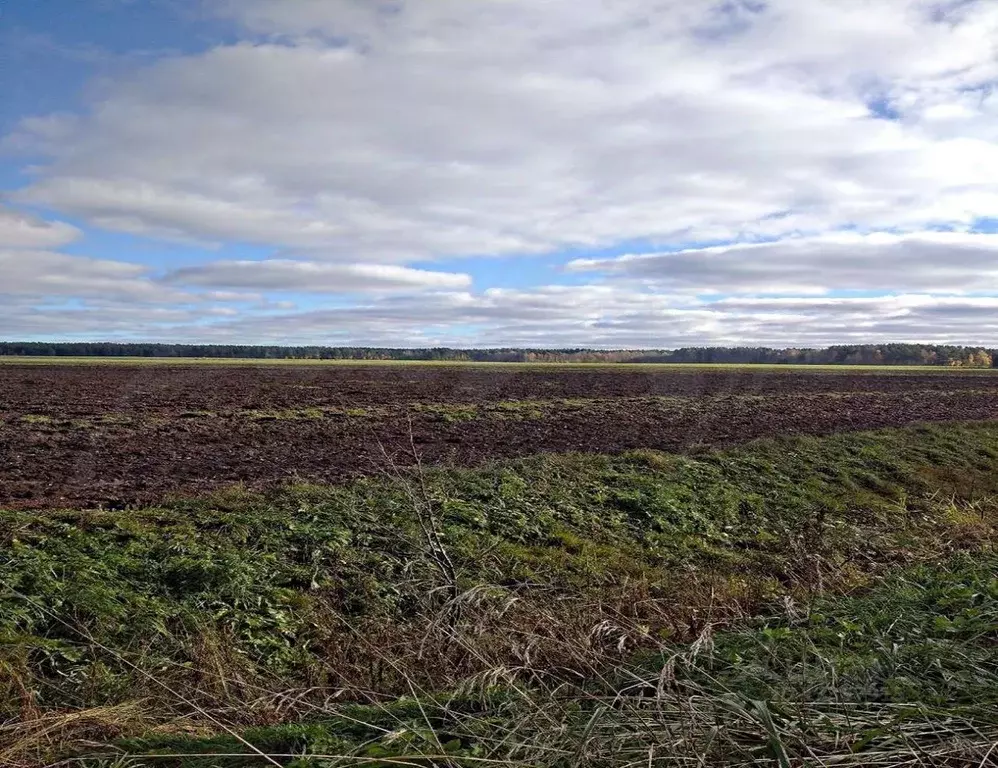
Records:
x=180, y=697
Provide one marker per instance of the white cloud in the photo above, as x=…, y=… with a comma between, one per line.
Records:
x=22, y=230
x=47, y=274
x=355, y=137
x=612, y=315
x=233, y=296
x=312, y=277
x=924, y=261
x=409, y=129
x=113, y=321
x=600, y=316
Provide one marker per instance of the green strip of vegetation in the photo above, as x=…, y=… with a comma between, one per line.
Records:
x=548, y=574
x=460, y=413
x=851, y=354
x=904, y=674
x=650, y=367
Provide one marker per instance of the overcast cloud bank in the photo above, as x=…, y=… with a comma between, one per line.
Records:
x=784, y=172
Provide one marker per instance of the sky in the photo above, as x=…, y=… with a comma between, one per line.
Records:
x=543, y=173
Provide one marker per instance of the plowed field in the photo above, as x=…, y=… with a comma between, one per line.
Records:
x=118, y=435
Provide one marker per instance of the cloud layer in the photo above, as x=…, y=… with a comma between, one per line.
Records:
x=22, y=230
x=456, y=128
x=829, y=146
x=311, y=277
x=940, y=262
x=547, y=317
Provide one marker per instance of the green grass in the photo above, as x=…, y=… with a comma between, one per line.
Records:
x=677, y=367
x=904, y=673
x=557, y=573
x=510, y=409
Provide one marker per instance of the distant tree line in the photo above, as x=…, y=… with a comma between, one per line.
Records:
x=860, y=354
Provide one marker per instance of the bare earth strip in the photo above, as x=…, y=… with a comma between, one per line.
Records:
x=117, y=435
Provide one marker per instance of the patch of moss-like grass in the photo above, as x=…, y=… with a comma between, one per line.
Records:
x=540, y=569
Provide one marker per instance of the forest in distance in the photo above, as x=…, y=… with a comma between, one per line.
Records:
x=853, y=354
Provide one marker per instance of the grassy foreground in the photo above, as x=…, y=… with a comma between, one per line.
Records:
x=906, y=674
x=555, y=611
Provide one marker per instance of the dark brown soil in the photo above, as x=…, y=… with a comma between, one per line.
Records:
x=119, y=435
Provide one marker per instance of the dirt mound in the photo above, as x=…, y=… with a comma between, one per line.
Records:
x=120, y=435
